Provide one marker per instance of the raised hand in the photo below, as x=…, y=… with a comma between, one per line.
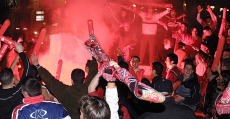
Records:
x=199, y=8
x=209, y=8
x=119, y=52
x=114, y=64
x=18, y=47
x=34, y=59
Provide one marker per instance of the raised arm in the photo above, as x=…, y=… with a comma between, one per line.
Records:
x=125, y=7
x=54, y=85
x=213, y=16
x=114, y=15
x=160, y=15
x=198, y=14
x=25, y=60
x=183, y=15
x=93, y=84
x=163, y=24
x=111, y=97
x=93, y=69
x=13, y=65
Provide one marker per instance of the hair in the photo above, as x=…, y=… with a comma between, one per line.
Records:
x=78, y=76
x=226, y=76
x=173, y=57
x=88, y=63
x=185, y=24
x=168, y=39
x=32, y=86
x=158, y=67
x=181, y=45
x=208, y=17
x=226, y=62
x=94, y=107
x=213, y=73
x=194, y=27
x=205, y=44
x=33, y=71
x=227, y=50
x=6, y=76
x=202, y=55
x=145, y=81
x=136, y=57
x=186, y=60
x=123, y=64
x=208, y=28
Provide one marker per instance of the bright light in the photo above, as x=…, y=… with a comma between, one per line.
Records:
x=221, y=9
x=39, y=12
x=24, y=28
x=185, y=4
x=155, y=9
x=17, y=28
x=134, y=5
x=212, y=7
x=167, y=8
x=65, y=1
x=35, y=32
x=227, y=9
x=40, y=18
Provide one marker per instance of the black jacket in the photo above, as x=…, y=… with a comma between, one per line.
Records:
x=11, y=98
x=190, y=90
x=68, y=95
x=168, y=110
x=211, y=95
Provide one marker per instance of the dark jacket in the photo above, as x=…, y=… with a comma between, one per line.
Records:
x=11, y=98
x=168, y=110
x=212, y=42
x=211, y=95
x=190, y=89
x=155, y=79
x=68, y=95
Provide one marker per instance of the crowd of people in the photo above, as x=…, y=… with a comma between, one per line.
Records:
x=182, y=73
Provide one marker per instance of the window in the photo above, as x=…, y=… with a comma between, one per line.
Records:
x=39, y=15
x=40, y=18
x=39, y=12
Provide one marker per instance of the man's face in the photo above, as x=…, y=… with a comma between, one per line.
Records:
x=168, y=62
x=134, y=62
x=126, y=27
x=226, y=55
x=152, y=72
x=167, y=44
x=188, y=70
x=173, y=13
x=183, y=28
x=194, y=32
x=206, y=32
x=150, y=10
